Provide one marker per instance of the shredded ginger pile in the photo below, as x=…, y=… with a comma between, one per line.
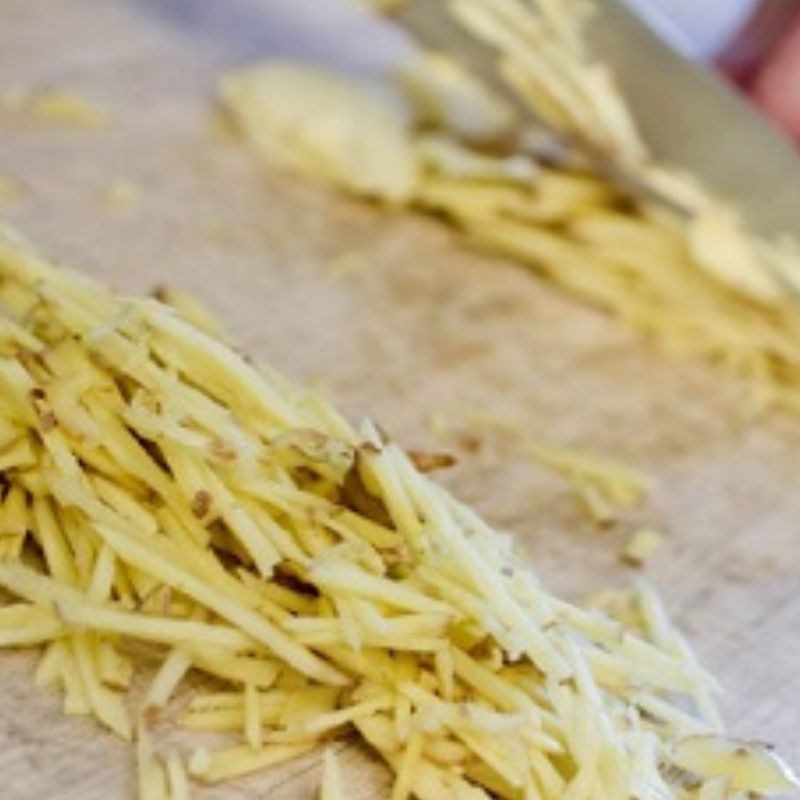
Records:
x=158, y=491
x=701, y=284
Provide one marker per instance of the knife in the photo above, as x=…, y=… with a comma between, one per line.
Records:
x=432, y=25
x=711, y=130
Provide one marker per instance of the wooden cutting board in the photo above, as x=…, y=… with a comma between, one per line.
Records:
x=401, y=322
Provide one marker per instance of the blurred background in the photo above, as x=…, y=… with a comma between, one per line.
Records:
x=755, y=43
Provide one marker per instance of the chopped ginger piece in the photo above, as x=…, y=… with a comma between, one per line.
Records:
x=642, y=546
x=332, y=787
x=241, y=528
x=62, y=106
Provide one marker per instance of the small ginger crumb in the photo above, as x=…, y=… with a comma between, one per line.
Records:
x=346, y=264
x=54, y=105
x=9, y=190
x=492, y=422
x=199, y=761
x=121, y=193
x=201, y=504
x=604, y=486
x=430, y=462
x=67, y=107
x=642, y=546
x=439, y=425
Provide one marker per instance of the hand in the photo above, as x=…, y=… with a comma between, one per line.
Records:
x=776, y=88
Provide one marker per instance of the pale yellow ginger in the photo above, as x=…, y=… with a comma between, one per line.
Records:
x=62, y=106
x=10, y=190
x=699, y=283
x=642, y=546
x=121, y=193
x=160, y=491
x=332, y=787
x=604, y=486
x=444, y=95
x=350, y=132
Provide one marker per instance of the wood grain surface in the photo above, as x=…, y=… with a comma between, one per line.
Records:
x=416, y=326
